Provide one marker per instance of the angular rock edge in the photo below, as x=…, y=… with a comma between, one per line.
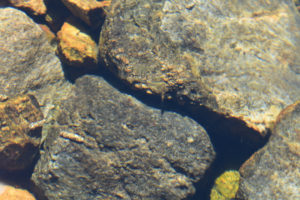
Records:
x=273, y=171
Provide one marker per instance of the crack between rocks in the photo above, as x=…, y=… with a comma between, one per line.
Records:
x=233, y=146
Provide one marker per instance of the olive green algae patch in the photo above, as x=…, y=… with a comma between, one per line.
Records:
x=237, y=58
x=226, y=186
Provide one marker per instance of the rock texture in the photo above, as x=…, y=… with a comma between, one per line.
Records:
x=108, y=145
x=20, y=132
x=273, y=172
x=90, y=11
x=28, y=63
x=76, y=47
x=239, y=58
x=35, y=7
x=50, y=35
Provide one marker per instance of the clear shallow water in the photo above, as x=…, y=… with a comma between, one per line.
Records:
x=225, y=146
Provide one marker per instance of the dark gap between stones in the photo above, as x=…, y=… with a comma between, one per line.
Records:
x=232, y=149
x=21, y=179
x=233, y=141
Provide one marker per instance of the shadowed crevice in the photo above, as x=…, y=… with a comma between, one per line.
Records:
x=21, y=179
x=233, y=141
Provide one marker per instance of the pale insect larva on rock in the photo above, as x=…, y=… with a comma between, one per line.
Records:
x=72, y=136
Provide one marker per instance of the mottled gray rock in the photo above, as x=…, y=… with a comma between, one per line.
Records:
x=108, y=145
x=238, y=58
x=274, y=171
x=27, y=62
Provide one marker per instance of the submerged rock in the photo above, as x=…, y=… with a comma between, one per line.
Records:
x=35, y=7
x=238, y=59
x=50, y=35
x=90, y=11
x=108, y=145
x=28, y=63
x=273, y=171
x=8, y=192
x=76, y=47
x=20, y=132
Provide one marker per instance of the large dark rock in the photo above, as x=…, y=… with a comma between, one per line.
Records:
x=239, y=58
x=273, y=172
x=108, y=145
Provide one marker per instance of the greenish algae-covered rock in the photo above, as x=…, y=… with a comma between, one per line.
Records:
x=108, y=145
x=273, y=172
x=239, y=59
x=226, y=186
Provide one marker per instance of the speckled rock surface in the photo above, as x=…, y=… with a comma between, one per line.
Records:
x=273, y=172
x=90, y=11
x=76, y=47
x=28, y=63
x=108, y=145
x=21, y=123
x=50, y=35
x=238, y=58
x=35, y=7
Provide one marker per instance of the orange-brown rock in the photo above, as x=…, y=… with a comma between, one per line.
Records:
x=90, y=11
x=76, y=47
x=20, y=132
x=11, y=193
x=35, y=7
